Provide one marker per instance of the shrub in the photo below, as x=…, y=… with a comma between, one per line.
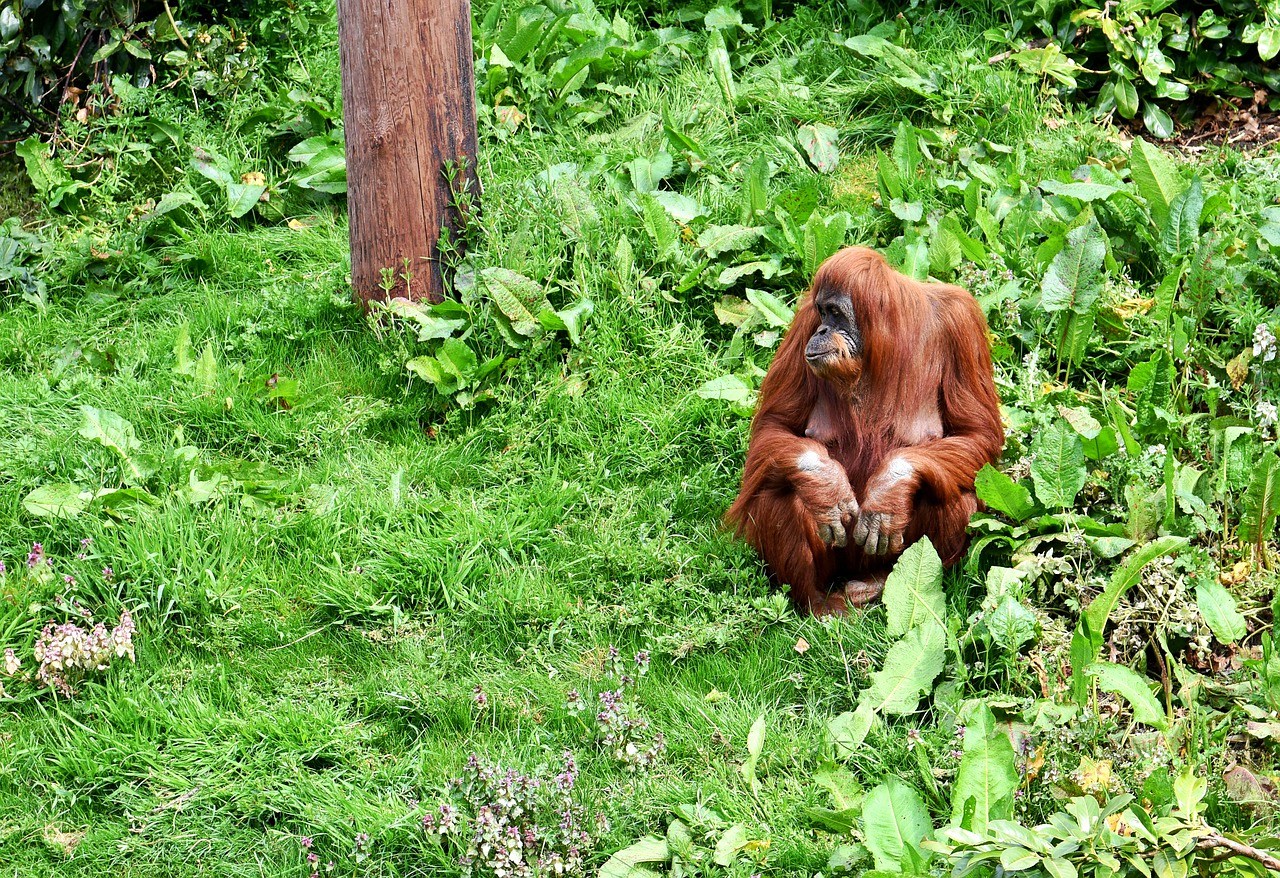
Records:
x=73, y=50
x=1152, y=56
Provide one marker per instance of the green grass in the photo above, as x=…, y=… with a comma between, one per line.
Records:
x=307, y=669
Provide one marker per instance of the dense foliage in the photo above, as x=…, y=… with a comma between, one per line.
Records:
x=1157, y=59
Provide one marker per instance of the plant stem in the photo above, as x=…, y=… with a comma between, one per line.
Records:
x=1240, y=849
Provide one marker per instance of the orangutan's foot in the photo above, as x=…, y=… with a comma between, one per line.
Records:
x=864, y=590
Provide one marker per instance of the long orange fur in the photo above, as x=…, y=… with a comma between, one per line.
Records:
x=921, y=343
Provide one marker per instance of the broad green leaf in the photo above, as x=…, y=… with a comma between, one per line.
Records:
x=326, y=171
x=516, y=296
x=845, y=857
x=913, y=591
x=1109, y=547
x=908, y=212
x=848, y=730
x=1011, y=624
x=241, y=197
x=894, y=821
x=44, y=172
x=728, y=845
x=1155, y=386
x=756, y=188
x=457, y=359
x=721, y=68
x=766, y=268
x=775, y=311
x=578, y=213
x=846, y=792
x=57, y=501
x=310, y=148
x=945, y=254
x=1126, y=97
x=1077, y=333
x=1261, y=503
x=206, y=370
x=1218, y=608
x=755, y=738
x=1155, y=178
x=728, y=387
x=1016, y=859
x=431, y=323
x=170, y=202
x=987, y=775
x=682, y=208
x=1003, y=494
x=910, y=668
x=823, y=236
x=1058, y=470
x=110, y=430
x=888, y=179
x=1167, y=293
x=657, y=223
x=1082, y=421
x=1133, y=688
x=575, y=318
x=1156, y=120
x=1189, y=790
x=626, y=863
x=822, y=144
x=1074, y=278
x=1099, y=609
x=125, y=503
x=723, y=239
x=755, y=746
x=906, y=150
x=647, y=172
x=212, y=166
x=1269, y=41
x=1182, y=230
x=428, y=369
x=182, y=351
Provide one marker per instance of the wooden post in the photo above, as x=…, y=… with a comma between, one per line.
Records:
x=408, y=98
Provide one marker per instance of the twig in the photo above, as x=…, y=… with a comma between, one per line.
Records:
x=1240, y=849
x=173, y=24
x=62, y=96
x=24, y=110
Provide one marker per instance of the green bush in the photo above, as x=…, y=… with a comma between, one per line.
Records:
x=1153, y=57
x=48, y=47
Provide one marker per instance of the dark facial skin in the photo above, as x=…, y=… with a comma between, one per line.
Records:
x=837, y=344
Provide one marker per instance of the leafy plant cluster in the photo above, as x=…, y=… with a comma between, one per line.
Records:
x=984, y=782
x=1150, y=58
x=134, y=480
x=559, y=61
x=71, y=56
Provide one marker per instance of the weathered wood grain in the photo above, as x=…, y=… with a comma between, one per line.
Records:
x=408, y=98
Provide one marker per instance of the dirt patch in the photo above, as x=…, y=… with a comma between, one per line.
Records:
x=1249, y=125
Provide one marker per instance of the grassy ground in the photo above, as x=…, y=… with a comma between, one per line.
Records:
x=308, y=666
